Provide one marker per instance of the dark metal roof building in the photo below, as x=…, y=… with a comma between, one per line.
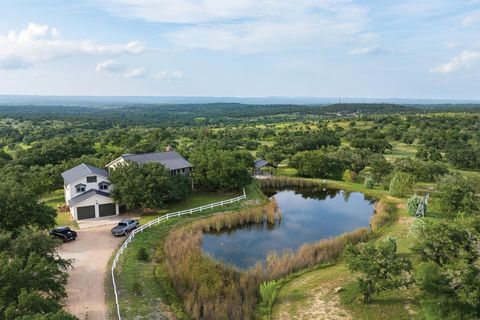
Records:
x=170, y=159
x=86, y=195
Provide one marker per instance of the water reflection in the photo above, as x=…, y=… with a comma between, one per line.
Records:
x=308, y=215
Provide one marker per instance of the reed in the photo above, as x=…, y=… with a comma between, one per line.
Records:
x=311, y=254
x=213, y=290
x=282, y=182
x=385, y=213
x=269, y=213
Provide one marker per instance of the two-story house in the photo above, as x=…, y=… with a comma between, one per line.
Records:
x=87, y=192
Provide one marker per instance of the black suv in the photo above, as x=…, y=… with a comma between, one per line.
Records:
x=63, y=233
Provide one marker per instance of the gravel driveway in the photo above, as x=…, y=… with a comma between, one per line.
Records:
x=85, y=288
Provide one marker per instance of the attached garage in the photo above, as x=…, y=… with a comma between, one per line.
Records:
x=92, y=204
x=108, y=209
x=87, y=212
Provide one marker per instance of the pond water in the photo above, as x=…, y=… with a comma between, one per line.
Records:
x=308, y=215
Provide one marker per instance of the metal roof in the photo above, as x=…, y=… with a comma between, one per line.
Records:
x=170, y=159
x=260, y=163
x=81, y=171
x=86, y=195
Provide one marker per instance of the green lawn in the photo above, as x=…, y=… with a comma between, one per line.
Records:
x=199, y=199
x=55, y=199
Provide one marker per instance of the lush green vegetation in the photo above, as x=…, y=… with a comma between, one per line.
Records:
x=31, y=272
x=390, y=152
x=148, y=186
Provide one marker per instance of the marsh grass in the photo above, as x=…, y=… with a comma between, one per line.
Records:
x=282, y=182
x=211, y=289
x=385, y=214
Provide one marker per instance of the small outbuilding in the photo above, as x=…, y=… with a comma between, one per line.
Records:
x=262, y=168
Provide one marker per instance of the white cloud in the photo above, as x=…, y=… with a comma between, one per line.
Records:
x=115, y=68
x=248, y=25
x=366, y=50
x=471, y=19
x=136, y=73
x=110, y=66
x=463, y=60
x=42, y=42
x=169, y=75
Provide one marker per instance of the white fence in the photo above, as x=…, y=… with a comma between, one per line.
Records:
x=157, y=221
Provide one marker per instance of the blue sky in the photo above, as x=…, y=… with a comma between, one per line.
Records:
x=320, y=48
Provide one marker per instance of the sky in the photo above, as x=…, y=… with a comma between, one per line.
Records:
x=242, y=48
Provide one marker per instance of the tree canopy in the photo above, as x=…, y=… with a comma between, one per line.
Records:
x=217, y=169
x=147, y=185
x=379, y=268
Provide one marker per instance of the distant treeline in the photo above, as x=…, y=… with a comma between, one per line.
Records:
x=214, y=113
x=190, y=114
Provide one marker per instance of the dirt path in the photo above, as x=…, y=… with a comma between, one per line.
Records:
x=313, y=297
x=90, y=253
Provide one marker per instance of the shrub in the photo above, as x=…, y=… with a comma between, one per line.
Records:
x=142, y=254
x=401, y=184
x=380, y=268
x=137, y=288
x=347, y=176
x=268, y=294
x=412, y=204
x=457, y=193
x=369, y=183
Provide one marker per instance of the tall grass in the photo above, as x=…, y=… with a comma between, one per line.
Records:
x=268, y=296
x=385, y=213
x=213, y=290
x=282, y=182
x=311, y=254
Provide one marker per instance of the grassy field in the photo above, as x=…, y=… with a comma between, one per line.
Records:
x=155, y=291
x=402, y=150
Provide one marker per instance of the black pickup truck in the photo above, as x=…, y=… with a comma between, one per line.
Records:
x=63, y=233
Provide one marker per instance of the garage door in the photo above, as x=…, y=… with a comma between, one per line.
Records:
x=107, y=209
x=87, y=212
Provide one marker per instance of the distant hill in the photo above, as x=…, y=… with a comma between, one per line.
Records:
x=116, y=101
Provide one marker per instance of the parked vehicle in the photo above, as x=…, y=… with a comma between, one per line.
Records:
x=124, y=227
x=63, y=233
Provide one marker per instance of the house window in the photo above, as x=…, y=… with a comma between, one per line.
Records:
x=103, y=185
x=91, y=179
x=80, y=188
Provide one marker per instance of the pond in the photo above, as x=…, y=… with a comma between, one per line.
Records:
x=308, y=215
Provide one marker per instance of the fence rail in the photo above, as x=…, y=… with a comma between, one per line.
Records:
x=155, y=222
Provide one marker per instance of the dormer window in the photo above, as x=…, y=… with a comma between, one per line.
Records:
x=103, y=185
x=91, y=179
x=80, y=187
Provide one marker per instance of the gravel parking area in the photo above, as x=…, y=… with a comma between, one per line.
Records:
x=90, y=254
